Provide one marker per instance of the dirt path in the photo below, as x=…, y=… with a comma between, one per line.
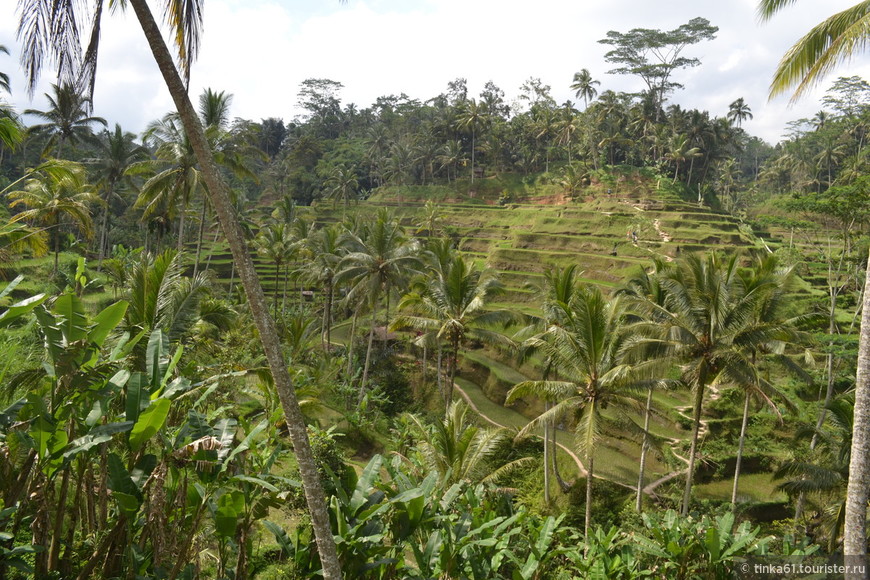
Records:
x=657, y=223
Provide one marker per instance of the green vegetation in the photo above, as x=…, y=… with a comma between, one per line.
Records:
x=532, y=343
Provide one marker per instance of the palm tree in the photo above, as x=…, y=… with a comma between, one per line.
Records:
x=823, y=473
x=11, y=129
x=56, y=44
x=453, y=309
x=805, y=64
x=176, y=176
x=559, y=287
x=160, y=297
x=326, y=248
x=646, y=287
x=584, y=86
x=739, y=111
x=4, y=78
x=707, y=323
x=66, y=120
x=457, y=449
x=55, y=198
x=116, y=154
x=342, y=184
x=587, y=349
x=681, y=151
x=431, y=219
x=276, y=244
x=376, y=263
x=472, y=117
x=775, y=282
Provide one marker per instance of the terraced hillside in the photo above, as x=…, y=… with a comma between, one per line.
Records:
x=610, y=236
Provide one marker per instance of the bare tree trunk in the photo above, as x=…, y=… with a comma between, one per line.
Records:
x=644, y=446
x=365, y=377
x=589, y=473
x=223, y=207
x=858, y=489
x=199, y=237
x=547, y=453
x=693, y=452
x=350, y=342
x=740, y=450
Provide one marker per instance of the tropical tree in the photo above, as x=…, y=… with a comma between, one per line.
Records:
x=161, y=298
x=453, y=308
x=116, y=154
x=4, y=78
x=56, y=198
x=781, y=331
x=739, y=111
x=822, y=474
x=342, y=184
x=817, y=53
x=176, y=177
x=472, y=117
x=57, y=44
x=67, y=119
x=457, y=449
x=584, y=86
x=587, y=349
x=706, y=321
x=377, y=263
x=326, y=248
x=276, y=244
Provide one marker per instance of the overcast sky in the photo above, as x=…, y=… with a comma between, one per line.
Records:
x=260, y=50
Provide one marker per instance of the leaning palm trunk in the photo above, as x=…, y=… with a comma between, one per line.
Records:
x=350, y=342
x=199, y=236
x=102, y=250
x=547, y=453
x=365, y=377
x=638, y=500
x=740, y=450
x=589, y=474
x=222, y=205
x=858, y=489
x=693, y=452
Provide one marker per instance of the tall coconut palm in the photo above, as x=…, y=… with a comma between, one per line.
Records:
x=55, y=198
x=117, y=152
x=326, y=248
x=781, y=330
x=453, y=308
x=805, y=64
x=377, y=263
x=472, y=117
x=646, y=287
x=276, y=244
x=59, y=44
x=739, y=111
x=707, y=324
x=67, y=119
x=584, y=86
x=342, y=184
x=176, y=176
x=587, y=350
x=559, y=287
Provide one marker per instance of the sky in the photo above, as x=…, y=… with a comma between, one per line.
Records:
x=261, y=50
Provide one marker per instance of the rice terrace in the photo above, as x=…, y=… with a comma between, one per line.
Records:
x=467, y=335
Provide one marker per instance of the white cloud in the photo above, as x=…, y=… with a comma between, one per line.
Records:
x=260, y=50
